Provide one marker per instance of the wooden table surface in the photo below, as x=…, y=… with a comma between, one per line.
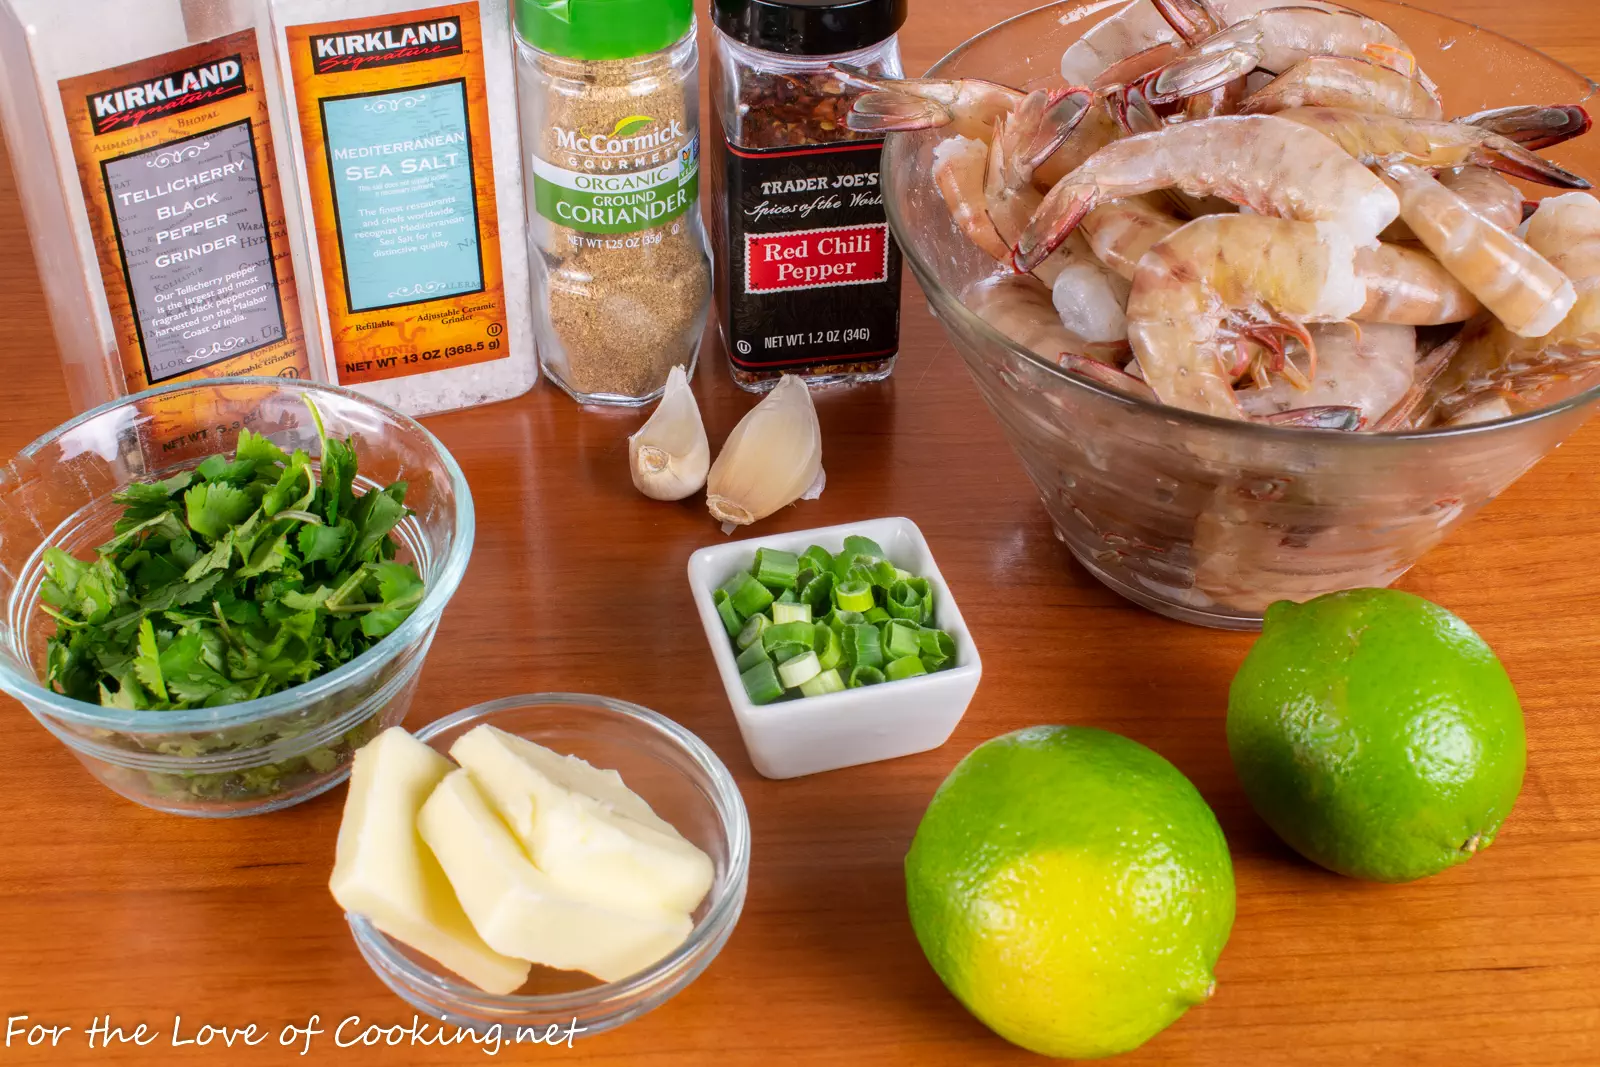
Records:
x=106, y=908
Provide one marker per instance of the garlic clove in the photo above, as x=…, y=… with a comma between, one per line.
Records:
x=670, y=455
x=771, y=459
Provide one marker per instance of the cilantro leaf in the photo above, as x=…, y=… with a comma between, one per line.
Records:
x=213, y=508
x=259, y=449
x=324, y=543
x=147, y=664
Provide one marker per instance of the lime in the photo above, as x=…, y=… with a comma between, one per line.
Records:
x=1376, y=734
x=1072, y=889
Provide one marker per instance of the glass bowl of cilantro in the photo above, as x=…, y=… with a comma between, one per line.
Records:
x=215, y=592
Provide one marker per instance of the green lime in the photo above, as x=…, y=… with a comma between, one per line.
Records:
x=1376, y=734
x=1072, y=889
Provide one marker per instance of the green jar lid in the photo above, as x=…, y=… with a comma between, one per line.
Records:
x=603, y=29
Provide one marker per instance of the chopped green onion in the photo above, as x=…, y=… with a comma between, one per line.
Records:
x=817, y=622
x=864, y=645
x=782, y=613
x=900, y=639
x=752, y=655
x=801, y=669
x=817, y=591
x=818, y=559
x=787, y=651
x=751, y=597
x=729, y=614
x=751, y=632
x=761, y=683
x=863, y=546
x=823, y=684
x=830, y=651
x=865, y=676
x=905, y=667
x=938, y=648
x=853, y=596
x=776, y=569
x=904, y=602
x=787, y=633
x=884, y=574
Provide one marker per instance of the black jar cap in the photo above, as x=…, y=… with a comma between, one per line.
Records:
x=809, y=27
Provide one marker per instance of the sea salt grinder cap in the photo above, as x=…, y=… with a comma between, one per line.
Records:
x=603, y=29
x=809, y=27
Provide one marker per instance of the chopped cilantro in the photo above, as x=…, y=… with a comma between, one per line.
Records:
x=237, y=579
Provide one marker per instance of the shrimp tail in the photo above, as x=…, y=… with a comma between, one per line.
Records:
x=1041, y=125
x=1201, y=72
x=1063, y=209
x=1509, y=157
x=1193, y=20
x=1108, y=376
x=1323, y=417
x=891, y=112
x=1531, y=126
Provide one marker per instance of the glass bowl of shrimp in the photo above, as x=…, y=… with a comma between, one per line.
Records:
x=1259, y=320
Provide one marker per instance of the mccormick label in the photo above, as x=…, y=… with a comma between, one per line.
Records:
x=634, y=174
x=179, y=178
x=394, y=118
x=813, y=276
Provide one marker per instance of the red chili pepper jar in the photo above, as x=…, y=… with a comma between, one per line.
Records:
x=807, y=273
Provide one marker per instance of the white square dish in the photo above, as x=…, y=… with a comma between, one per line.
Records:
x=797, y=737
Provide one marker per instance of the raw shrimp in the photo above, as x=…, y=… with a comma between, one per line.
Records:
x=1122, y=231
x=1521, y=287
x=1266, y=163
x=1369, y=369
x=1566, y=231
x=1140, y=26
x=1494, y=365
x=1352, y=82
x=1278, y=272
x=1018, y=306
x=1486, y=193
x=1143, y=25
x=959, y=166
x=1377, y=138
x=1411, y=288
x=1287, y=35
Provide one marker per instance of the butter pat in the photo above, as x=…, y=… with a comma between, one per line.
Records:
x=592, y=835
x=384, y=871
x=519, y=910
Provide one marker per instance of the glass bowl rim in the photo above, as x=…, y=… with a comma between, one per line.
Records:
x=957, y=316
x=39, y=698
x=708, y=932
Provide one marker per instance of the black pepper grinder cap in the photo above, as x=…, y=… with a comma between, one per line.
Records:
x=809, y=27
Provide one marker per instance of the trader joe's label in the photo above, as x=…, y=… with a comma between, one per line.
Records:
x=813, y=275
x=394, y=117
x=176, y=162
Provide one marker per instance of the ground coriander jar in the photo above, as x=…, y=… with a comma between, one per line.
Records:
x=808, y=276
x=610, y=118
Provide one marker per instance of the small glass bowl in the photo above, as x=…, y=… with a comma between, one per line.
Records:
x=682, y=780
x=260, y=755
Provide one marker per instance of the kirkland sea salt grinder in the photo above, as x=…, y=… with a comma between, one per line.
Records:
x=147, y=141
x=808, y=277
x=403, y=118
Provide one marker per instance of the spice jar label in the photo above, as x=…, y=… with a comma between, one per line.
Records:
x=813, y=275
x=601, y=201
x=394, y=119
x=180, y=180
